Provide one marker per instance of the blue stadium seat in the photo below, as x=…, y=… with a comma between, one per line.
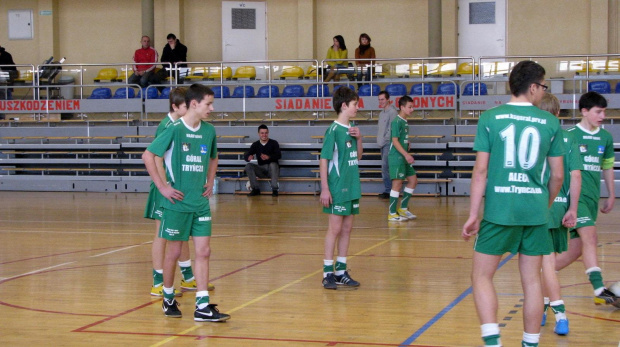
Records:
x=238, y=92
x=294, y=90
x=124, y=93
x=221, y=92
x=481, y=89
x=263, y=92
x=165, y=94
x=417, y=89
x=101, y=93
x=618, y=87
x=149, y=93
x=602, y=87
x=348, y=85
x=396, y=89
x=366, y=90
x=322, y=92
x=448, y=89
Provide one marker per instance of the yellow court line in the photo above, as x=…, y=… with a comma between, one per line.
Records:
x=255, y=300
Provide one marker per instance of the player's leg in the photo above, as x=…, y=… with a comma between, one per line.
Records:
x=529, y=267
x=589, y=240
x=573, y=253
x=403, y=211
x=393, y=216
x=551, y=293
x=341, y=273
x=274, y=174
x=158, y=250
x=385, y=172
x=188, y=281
x=485, y=297
x=169, y=304
x=251, y=170
x=334, y=228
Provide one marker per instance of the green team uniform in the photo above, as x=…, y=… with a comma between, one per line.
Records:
x=343, y=176
x=595, y=147
x=519, y=138
x=572, y=162
x=186, y=153
x=398, y=166
x=153, y=203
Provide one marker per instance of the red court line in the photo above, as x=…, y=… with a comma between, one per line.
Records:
x=594, y=317
x=72, y=252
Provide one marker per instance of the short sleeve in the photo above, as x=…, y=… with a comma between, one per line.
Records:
x=481, y=142
x=162, y=142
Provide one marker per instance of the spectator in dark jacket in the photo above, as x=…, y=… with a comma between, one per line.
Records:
x=267, y=153
x=174, y=52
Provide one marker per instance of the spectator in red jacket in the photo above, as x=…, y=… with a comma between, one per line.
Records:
x=144, y=75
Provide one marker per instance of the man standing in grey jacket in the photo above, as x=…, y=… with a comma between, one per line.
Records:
x=387, y=115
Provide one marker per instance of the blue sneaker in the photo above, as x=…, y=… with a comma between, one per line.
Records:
x=544, y=320
x=561, y=327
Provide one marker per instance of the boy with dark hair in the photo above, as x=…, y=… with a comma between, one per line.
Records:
x=267, y=153
x=400, y=162
x=596, y=147
x=340, y=186
x=190, y=151
x=514, y=142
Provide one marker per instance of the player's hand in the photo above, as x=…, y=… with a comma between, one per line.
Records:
x=608, y=205
x=251, y=157
x=570, y=219
x=264, y=157
x=355, y=132
x=326, y=197
x=171, y=194
x=409, y=158
x=208, y=190
x=470, y=228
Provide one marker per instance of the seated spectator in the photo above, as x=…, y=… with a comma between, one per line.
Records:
x=364, y=51
x=174, y=52
x=267, y=153
x=337, y=51
x=144, y=74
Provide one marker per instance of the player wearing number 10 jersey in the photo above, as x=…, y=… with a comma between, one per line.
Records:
x=516, y=144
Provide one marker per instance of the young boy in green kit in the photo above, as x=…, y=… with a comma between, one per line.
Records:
x=190, y=151
x=400, y=163
x=340, y=186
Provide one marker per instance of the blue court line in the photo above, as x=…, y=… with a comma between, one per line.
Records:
x=411, y=339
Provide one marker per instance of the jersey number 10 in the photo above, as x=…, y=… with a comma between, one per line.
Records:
x=526, y=150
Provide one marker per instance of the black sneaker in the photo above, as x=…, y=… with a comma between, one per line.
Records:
x=171, y=308
x=274, y=192
x=346, y=280
x=384, y=196
x=329, y=282
x=607, y=297
x=210, y=313
x=254, y=192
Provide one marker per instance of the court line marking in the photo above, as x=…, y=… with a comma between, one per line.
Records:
x=257, y=299
x=120, y=249
x=411, y=339
x=6, y=279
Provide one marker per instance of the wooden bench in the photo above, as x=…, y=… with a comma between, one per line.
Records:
x=459, y=137
x=239, y=189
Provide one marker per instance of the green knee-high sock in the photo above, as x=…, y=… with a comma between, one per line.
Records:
x=393, y=204
x=186, y=271
x=596, y=279
x=202, y=299
x=158, y=278
x=405, y=202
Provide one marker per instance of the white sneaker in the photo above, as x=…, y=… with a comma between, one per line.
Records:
x=406, y=214
x=394, y=217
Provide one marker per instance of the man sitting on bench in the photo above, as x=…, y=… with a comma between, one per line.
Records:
x=267, y=153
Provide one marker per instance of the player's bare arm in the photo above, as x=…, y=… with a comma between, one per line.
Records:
x=326, y=196
x=478, y=186
x=166, y=190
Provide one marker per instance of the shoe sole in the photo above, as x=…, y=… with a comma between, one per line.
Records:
x=211, y=320
x=176, y=295
x=348, y=285
x=333, y=288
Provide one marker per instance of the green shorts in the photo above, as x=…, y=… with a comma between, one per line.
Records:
x=345, y=208
x=153, y=208
x=179, y=226
x=573, y=234
x=495, y=239
x=401, y=170
x=587, y=211
x=559, y=238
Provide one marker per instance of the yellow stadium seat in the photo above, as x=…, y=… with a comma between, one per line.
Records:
x=108, y=74
x=123, y=76
x=217, y=73
x=417, y=69
x=245, y=72
x=467, y=69
x=292, y=71
x=25, y=76
x=440, y=69
x=612, y=67
x=198, y=73
x=385, y=70
x=592, y=67
x=311, y=73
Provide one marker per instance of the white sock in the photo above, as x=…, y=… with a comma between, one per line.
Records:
x=546, y=300
x=489, y=329
x=327, y=262
x=200, y=294
x=186, y=263
x=531, y=338
x=409, y=190
x=169, y=290
x=394, y=194
x=340, y=260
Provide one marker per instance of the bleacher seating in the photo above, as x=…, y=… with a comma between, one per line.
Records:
x=440, y=69
x=245, y=72
x=397, y=89
x=123, y=76
x=165, y=93
x=448, y=89
x=479, y=89
x=292, y=72
x=311, y=73
x=467, y=69
x=350, y=86
x=197, y=73
x=314, y=91
x=221, y=92
x=421, y=89
x=263, y=92
x=101, y=93
x=149, y=93
x=124, y=93
x=602, y=87
x=292, y=91
x=215, y=73
x=106, y=75
x=617, y=91
x=243, y=92
x=367, y=89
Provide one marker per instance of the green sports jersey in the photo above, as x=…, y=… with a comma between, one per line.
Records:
x=519, y=138
x=343, y=175
x=572, y=162
x=157, y=197
x=400, y=130
x=594, y=147
x=163, y=125
x=186, y=153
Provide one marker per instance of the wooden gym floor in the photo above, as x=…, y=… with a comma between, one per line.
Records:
x=75, y=269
